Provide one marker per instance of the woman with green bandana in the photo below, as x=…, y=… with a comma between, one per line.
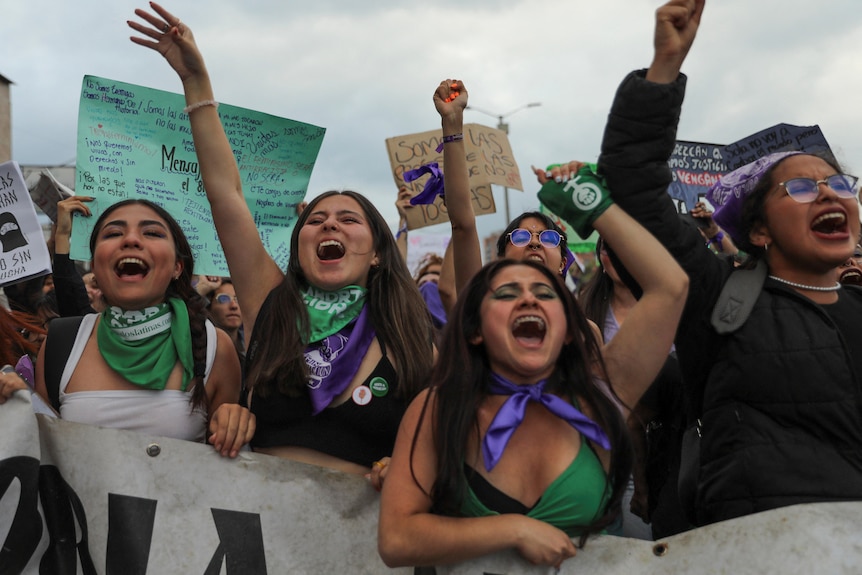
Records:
x=341, y=342
x=150, y=362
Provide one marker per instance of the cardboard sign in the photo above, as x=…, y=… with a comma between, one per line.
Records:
x=695, y=167
x=135, y=142
x=489, y=161
x=23, y=252
x=778, y=138
x=47, y=191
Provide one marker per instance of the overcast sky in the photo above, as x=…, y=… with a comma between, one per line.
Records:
x=366, y=71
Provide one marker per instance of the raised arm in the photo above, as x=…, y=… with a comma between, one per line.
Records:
x=637, y=353
x=254, y=272
x=639, y=139
x=446, y=284
x=676, y=27
x=409, y=534
x=450, y=99
x=402, y=204
x=71, y=293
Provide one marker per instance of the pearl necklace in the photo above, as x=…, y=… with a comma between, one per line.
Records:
x=836, y=287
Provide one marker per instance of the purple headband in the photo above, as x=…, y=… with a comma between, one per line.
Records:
x=728, y=194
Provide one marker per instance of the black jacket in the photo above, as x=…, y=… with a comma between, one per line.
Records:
x=780, y=399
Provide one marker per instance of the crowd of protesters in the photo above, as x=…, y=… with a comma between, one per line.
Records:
x=707, y=371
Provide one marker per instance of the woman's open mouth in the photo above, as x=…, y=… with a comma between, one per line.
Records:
x=851, y=276
x=131, y=268
x=830, y=223
x=330, y=250
x=529, y=330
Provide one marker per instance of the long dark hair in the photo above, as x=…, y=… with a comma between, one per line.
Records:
x=397, y=312
x=460, y=385
x=596, y=295
x=179, y=288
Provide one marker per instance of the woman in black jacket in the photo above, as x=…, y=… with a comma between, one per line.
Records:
x=776, y=386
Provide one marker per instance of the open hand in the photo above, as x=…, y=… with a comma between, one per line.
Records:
x=170, y=38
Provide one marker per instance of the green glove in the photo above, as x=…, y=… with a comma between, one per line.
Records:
x=580, y=200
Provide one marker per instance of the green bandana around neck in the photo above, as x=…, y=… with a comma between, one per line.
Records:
x=144, y=345
x=330, y=311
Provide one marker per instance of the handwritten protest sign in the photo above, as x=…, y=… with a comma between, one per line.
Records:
x=778, y=138
x=47, y=191
x=489, y=161
x=695, y=167
x=24, y=253
x=135, y=142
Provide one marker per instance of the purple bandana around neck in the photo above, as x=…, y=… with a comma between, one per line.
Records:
x=512, y=412
x=433, y=187
x=333, y=361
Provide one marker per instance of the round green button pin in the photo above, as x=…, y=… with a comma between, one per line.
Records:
x=379, y=387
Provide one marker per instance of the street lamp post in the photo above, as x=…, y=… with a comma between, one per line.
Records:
x=501, y=125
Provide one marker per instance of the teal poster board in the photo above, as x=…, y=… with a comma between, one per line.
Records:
x=136, y=142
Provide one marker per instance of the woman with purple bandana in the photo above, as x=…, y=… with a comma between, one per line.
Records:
x=771, y=354
x=341, y=342
x=520, y=443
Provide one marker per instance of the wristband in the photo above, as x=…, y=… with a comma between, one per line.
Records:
x=192, y=107
x=402, y=230
x=717, y=238
x=449, y=140
x=580, y=201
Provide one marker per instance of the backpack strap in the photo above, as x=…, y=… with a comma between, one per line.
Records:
x=62, y=333
x=737, y=298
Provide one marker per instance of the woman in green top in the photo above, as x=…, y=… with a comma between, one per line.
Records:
x=519, y=442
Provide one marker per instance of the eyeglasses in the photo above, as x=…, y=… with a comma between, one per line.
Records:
x=806, y=190
x=548, y=238
x=223, y=298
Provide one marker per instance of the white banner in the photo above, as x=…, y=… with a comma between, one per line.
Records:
x=79, y=499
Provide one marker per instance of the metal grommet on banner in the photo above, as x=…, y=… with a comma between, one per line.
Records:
x=153, y=450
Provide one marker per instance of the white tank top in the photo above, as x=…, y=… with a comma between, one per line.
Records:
x=166, y=413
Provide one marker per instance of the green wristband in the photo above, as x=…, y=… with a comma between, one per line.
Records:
x=580, y=200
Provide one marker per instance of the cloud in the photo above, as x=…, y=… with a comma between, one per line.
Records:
x=366, y=72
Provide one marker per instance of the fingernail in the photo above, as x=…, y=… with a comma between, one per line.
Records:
x=558, y=179
x=548, y=174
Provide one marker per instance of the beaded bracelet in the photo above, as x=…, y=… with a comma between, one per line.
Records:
x=192, y=107
x=449, y=140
